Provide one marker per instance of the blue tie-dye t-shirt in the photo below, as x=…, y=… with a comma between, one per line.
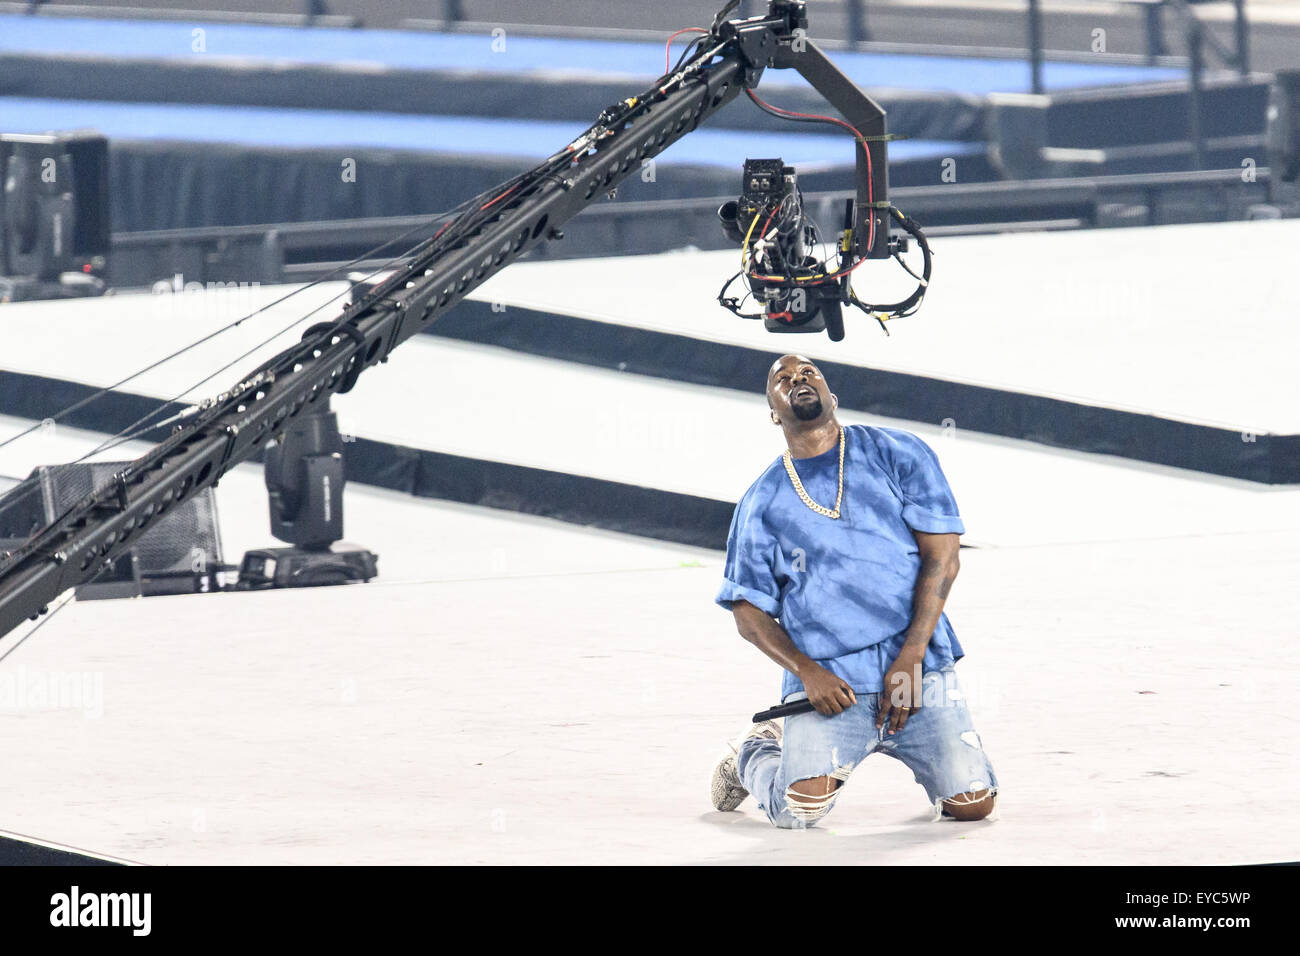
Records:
x=842, y=588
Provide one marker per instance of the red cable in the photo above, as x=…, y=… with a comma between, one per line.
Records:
x=492, y=202
x=871, y=235
x=499, y=198
x=668, y=46
x=763, y=232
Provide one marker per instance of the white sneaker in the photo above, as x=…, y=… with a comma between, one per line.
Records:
x=727, y=791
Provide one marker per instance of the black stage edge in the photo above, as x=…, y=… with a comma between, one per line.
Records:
x=35, y=397
x=1269, y=459
x=15, y=851
x=183, y=185
x=576, y=499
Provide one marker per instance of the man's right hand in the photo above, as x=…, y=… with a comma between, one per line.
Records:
x=829, y=694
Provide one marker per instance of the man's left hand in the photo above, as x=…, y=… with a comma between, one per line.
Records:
x=901, y=694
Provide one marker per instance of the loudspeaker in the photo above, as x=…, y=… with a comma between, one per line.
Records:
x=1283, y=137
x=54, y=211
x=179, y=554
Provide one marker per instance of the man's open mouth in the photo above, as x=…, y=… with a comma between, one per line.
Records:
x=803, y=390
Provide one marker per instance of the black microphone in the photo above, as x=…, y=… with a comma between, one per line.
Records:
x=784, y=710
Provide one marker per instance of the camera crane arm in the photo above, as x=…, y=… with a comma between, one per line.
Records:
x=439, y=273
x=862, y=113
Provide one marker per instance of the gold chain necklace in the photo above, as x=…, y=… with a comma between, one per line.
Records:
x=798, y=485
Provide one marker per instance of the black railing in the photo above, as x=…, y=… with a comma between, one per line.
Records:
x=1035, y=46
x=855, y=12
x=1237, y=56
x=1198, y=39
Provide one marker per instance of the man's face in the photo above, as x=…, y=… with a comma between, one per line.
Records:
x=796, y=390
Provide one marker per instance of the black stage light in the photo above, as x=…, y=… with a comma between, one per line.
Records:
x=1283, y=137
x=54, y=215
x=304, y=480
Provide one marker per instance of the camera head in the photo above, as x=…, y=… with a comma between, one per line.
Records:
x=776, y=237
x=798, y=291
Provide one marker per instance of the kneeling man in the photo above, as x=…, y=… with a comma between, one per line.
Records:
x=839, y=561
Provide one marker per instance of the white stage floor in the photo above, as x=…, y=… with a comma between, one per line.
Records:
x=515, y=690
x=1190, y=322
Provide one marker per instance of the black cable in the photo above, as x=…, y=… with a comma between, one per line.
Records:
x=685, y=53
x=211, y=335
x=467, y=221
x=909, y=305
x=721, y=18
x=735, y=304
x=49, y=616
x=451, y=234
x=464, y=223
x=525, y=181
x=134, y=430
x=314, y=282
x=906, y=268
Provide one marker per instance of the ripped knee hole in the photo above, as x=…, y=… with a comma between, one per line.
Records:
x=811, y=798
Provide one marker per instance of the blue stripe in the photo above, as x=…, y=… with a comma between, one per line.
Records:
x=146, y=39
x=528, y=139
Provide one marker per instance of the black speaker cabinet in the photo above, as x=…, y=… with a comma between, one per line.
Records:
x=1284, y=137
x=54, y=211
x=179, y=554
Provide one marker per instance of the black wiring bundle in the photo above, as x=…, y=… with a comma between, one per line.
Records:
x=813, y=271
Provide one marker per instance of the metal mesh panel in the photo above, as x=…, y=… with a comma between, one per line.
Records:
x=185, y=540
x=22, y=509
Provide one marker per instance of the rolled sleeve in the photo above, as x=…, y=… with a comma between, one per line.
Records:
x=748, y=574
x=928, y=502
x=731, y=592
x=927, y=522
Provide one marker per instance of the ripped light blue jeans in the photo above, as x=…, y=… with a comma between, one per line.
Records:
x=938, y=744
